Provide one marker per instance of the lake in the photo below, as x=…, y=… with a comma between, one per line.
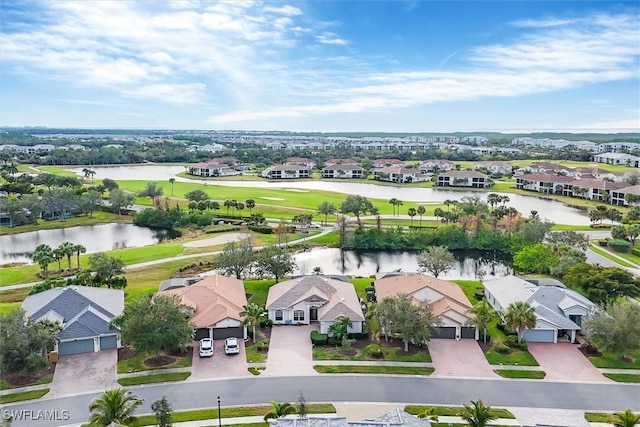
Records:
x=96, y=238
x=547, y=209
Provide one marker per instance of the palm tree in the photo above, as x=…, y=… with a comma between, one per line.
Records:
x=520, y=316
x=172, y=181
x=79, y=249
x=250, y=204
x=393, y=205
x=67, y=249
x=240, y=206
x=477, y=414
x=43, y=255
x=429, y=413
x=114, y=406
x=279, y=410
x=339, y=329
x=252, y=313
x=626, y=419
x=325, y=208
x=421, y=211
x=58, y=255
x=482, y=314
x=411, y=212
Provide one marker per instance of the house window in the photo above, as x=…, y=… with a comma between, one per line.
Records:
x=298, y=316
x=278, y=315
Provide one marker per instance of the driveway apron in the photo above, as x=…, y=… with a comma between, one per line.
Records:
x=564, y=362
x=462, y=358
x=220, y=365
x=80, y=373
x=290, y=350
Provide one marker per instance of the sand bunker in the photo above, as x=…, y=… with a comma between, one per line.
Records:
x=295, y=190
x=279, y=199
x=218, y=240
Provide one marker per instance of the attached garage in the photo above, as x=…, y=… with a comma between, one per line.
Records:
x=201, y=333
x=540, y=335
x=75, y=347
x=222, y=333
x=108, y=342
x=468, y=332
x=448, y=332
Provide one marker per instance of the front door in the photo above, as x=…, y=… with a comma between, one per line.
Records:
x=313, y=314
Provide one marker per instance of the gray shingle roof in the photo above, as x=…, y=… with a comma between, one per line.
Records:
x=68, y=304
x=546, y=314
x=86, y=325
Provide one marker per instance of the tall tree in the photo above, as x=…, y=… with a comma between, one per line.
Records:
x=79, y=249
x=90, y=201
x=339, y=329
x=481, y=315
x=236, y=258
x=421, y=211
x=275, y=261
x=250, y=204
x=616, y=329
x=602, y=285
x=114, y=406
x=325, y=208
x=358, y=205
x=436, y=260
x=251, y=315
x=538, y=258
x=172, y=181
x=477, y=414
x=106, y=267
x=411, y=212
x=67, y=249
x=412, y=322
x=120, y=200
x=152, y=190
x=155, y=323
x=520, y=316
x=196, y=196
x=44, y=256
x=163, y=412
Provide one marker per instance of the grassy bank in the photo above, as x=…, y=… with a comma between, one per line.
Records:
x=520, y=374
x=26, y=395
x=152, y=379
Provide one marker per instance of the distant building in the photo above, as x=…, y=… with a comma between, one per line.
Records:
x=471, y=179
x=287, y=172
x=621, y=159
x=342, y=171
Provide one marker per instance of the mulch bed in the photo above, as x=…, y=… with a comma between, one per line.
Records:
x=485, y=346
x=158, y=361
x=125, y=353
x=19, y=379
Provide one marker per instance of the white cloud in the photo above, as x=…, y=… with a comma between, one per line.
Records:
x=283, y=10
x=330, y=38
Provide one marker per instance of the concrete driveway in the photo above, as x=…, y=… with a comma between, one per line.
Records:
x=290, y=351
x=462, y=358
x=220, y=365
x=79, y=373
x=564, y=362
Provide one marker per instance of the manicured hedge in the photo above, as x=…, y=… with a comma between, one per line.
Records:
x=362, y=335
x=319, y=339
x=619, y=245
x=635, y=251
x=261, y=230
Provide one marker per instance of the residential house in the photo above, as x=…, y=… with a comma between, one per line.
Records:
x=85, y=314
x=331, y=162
x=618, y=197
x=559, y=311
x=216, y=302
x=622, y=159
x=343, y=171
x=463, y=179
x=399, y=174
x=213, y=169
x=495, y=167
x=435, y=165
x=595, y=189
x=303, y=161
x=381, y=163
x=395, y=418
x=546, y=183
x=287, y=172
x=446, y=299
x=547, y=168
x=308, y=299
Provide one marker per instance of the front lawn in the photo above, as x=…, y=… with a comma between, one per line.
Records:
x=26, y=395
x=454, y=411
x=624, y=378
x=614, y=360
x=514, y=357
x=257, y=352
x=130, y=361
x=151, y=379
x=353, y=369
x=383, y=351
x=510, y=373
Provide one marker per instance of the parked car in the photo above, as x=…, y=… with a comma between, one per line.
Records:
x=206, y=347
x=231, y=346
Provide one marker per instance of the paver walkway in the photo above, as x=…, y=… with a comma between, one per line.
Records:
x=564, y=362
x=462, y=358
x=79, y=373
x=290, y=351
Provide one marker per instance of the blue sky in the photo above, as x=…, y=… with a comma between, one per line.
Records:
x=375, y=66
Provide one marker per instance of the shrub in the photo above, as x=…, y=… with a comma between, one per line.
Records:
x=261, y=230
x=361, y=335
x=376, y=352
x=511, y=341
x=603, y=242
x=319, y=339
x=266, y=322
x=479, y=293
x=502, y=349
x=635, y=251
x=619, y=245
x=523, y=346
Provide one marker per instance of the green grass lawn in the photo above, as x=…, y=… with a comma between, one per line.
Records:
x=614, y=360
x=601, y=417
x=469, y=288
x=395, y=370
x=514, y=357
x=532, y=375
x=605, y=253
x=244, y=411
x=258, y=290
x=99, y=217
x=26, y=395
x=252, y=353
x=624, y=378
x=454, y=411
x=151, y=379
x=391, y=353
x=135, y=364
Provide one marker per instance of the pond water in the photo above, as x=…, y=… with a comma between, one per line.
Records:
x=547, y=209
x=470, y=265
x=96, y=238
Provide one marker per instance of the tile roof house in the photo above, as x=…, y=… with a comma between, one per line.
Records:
x=302, y=161
x=213, y=169
x=446, y=299
x=85, y=314
x=315, y=298
x=216, y=302
x=287, y=171
x=435, y=165
x=559, y=310
x=394, y=418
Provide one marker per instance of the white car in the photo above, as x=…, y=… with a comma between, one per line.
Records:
x=231, y=346
x=206, y=347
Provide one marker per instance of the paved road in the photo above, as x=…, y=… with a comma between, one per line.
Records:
x=359, y=388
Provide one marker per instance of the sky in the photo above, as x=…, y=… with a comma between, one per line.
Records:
x=322, y=65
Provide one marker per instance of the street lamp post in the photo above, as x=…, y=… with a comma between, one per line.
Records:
x=219, y=415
